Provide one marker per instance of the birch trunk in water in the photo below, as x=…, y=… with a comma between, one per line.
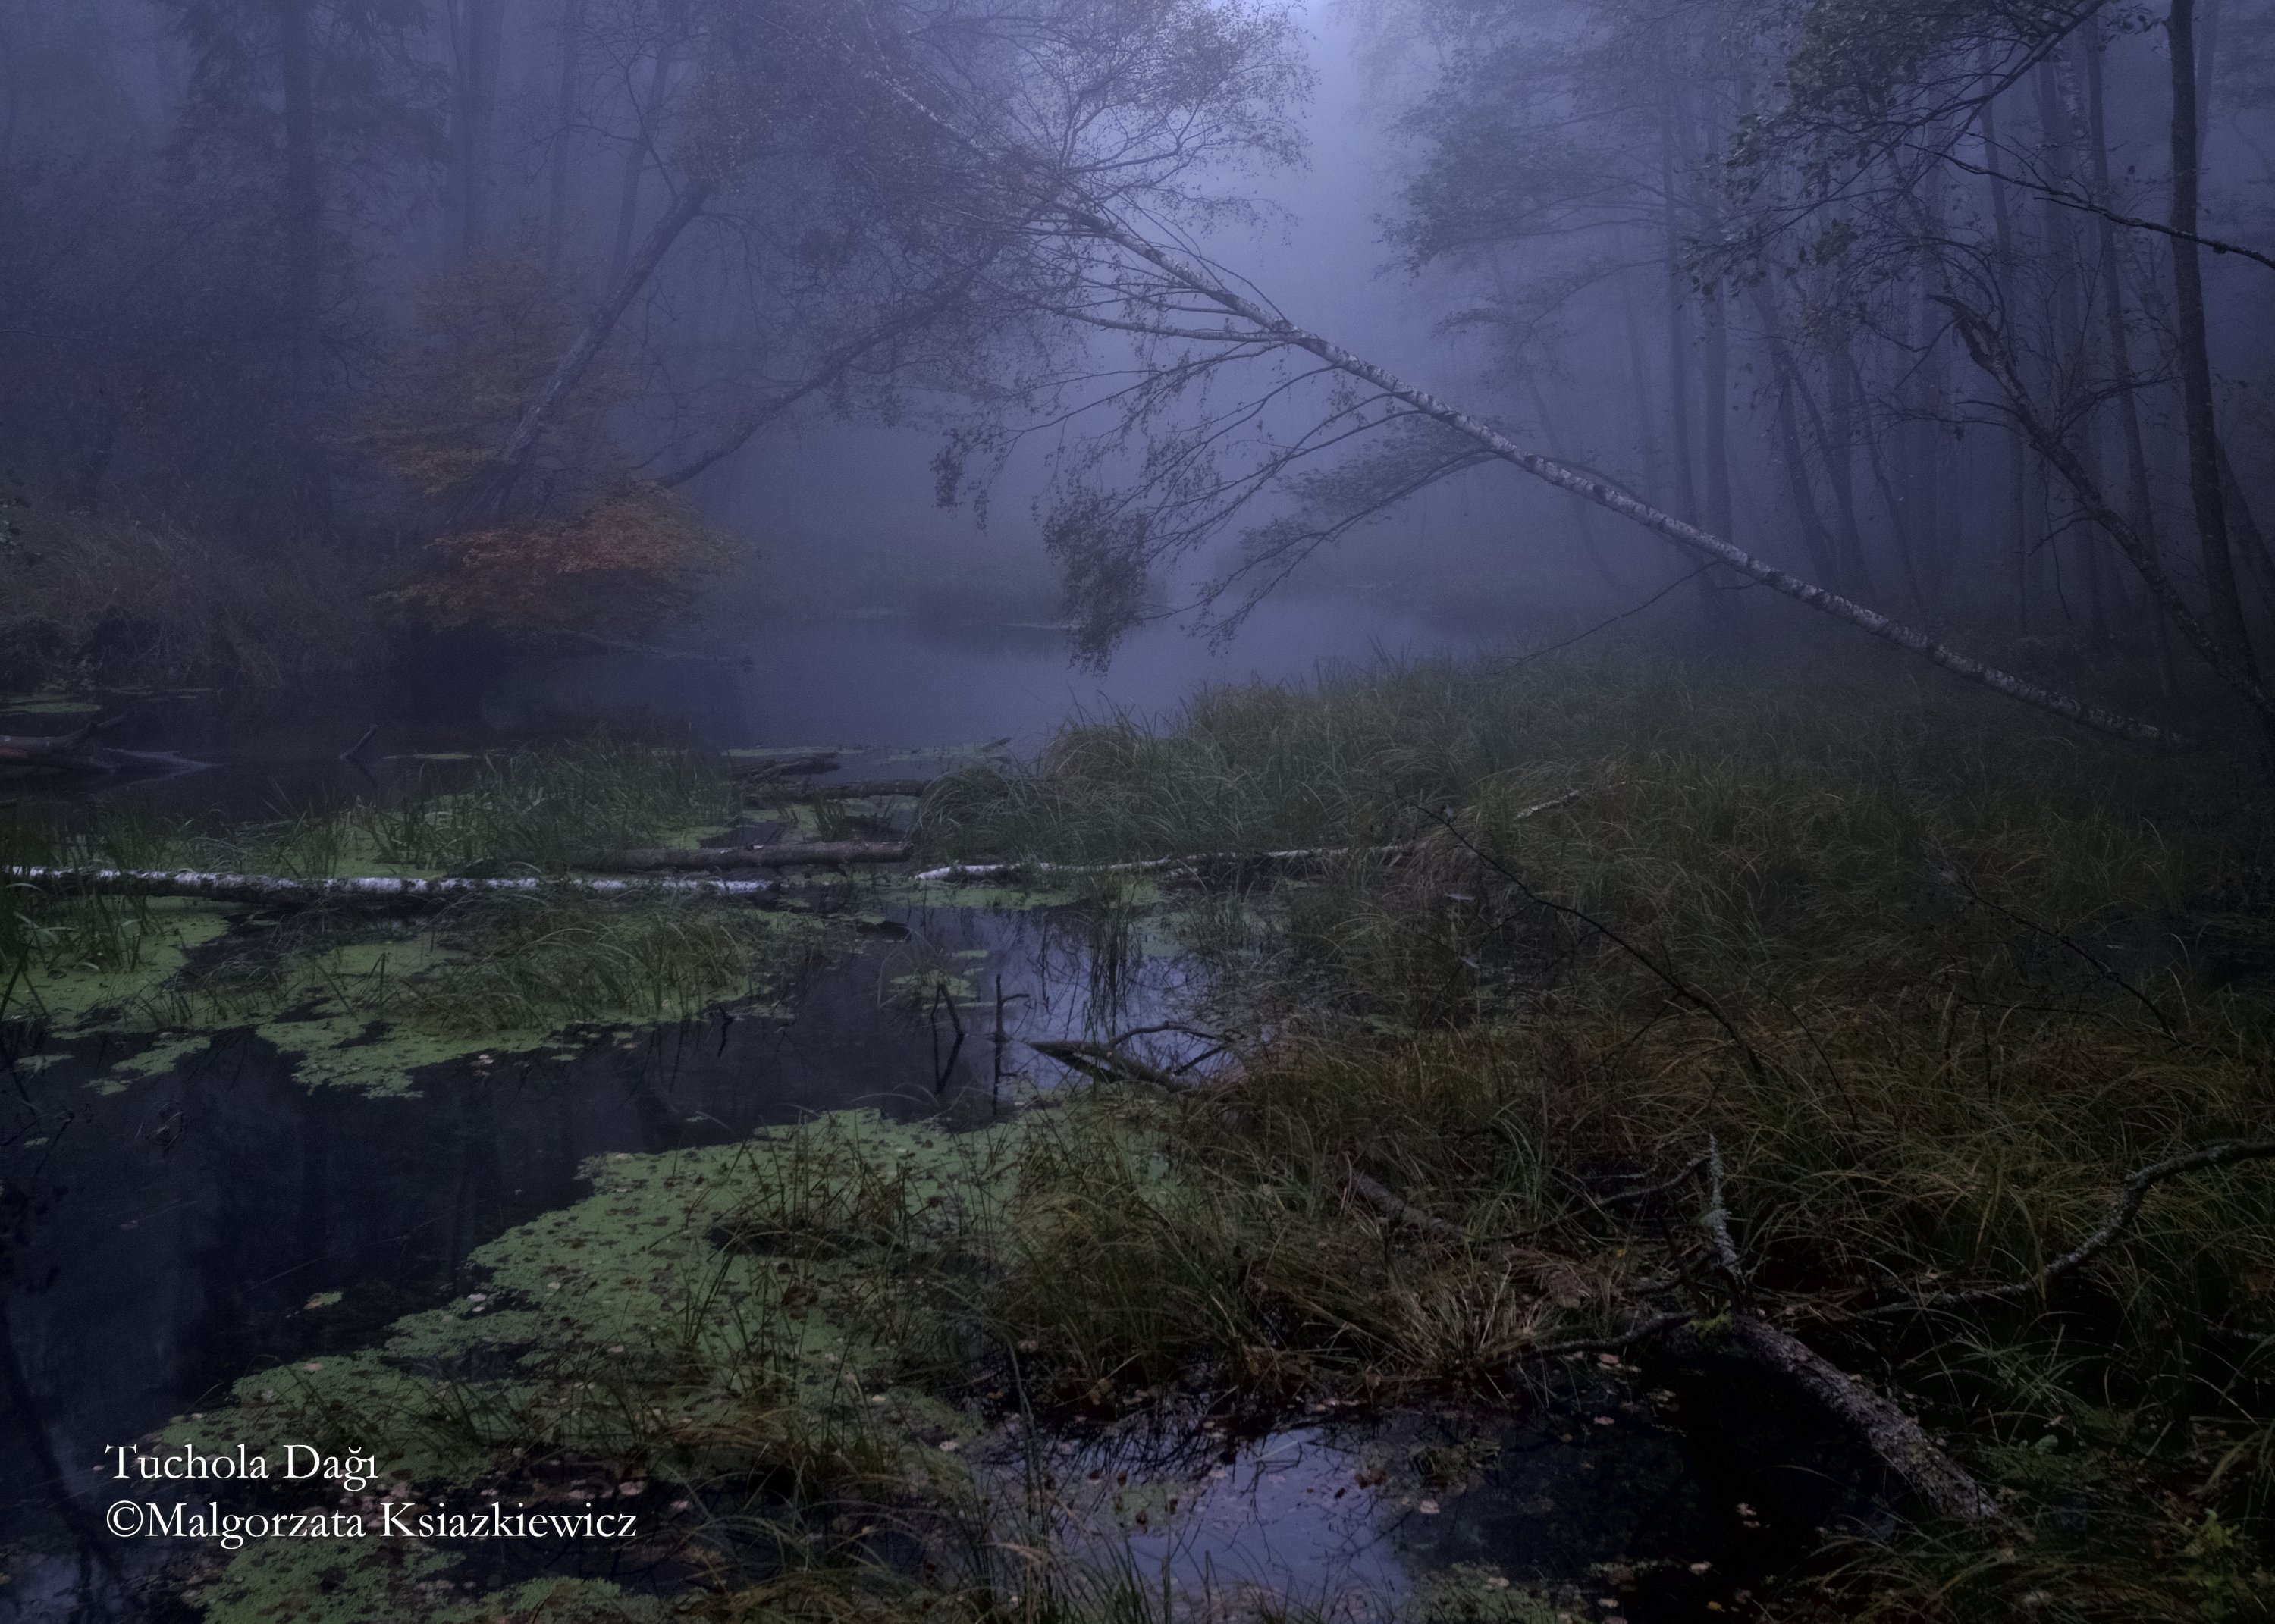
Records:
x=271, y=891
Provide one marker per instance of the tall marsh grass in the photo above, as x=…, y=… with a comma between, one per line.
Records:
x=1932, y=974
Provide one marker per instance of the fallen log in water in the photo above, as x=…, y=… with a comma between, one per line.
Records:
x=1901, y=1442
x=830, y=853
x=63, y=753
x=272, y=891
x=1197, y=861
x=1163, y=865
x=770, y=792
x=1105, y=1063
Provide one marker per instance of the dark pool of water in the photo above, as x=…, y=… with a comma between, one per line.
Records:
x=169, y=1231
x=1600, y=1487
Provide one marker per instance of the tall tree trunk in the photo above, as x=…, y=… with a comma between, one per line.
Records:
x=2067, y=328
x=303, y=253
x=2206, y=67
x=648, y=115
x=478, y=31
x=560, y=160
x=2206, y=490
x=1714, y=413
x=2140, y=504
x=1823, y=554
x=1678, y=339
x=1838, y=439
x=2018, y=505
x=1646, y=419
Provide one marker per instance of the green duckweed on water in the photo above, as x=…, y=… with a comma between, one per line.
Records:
x=364, y=998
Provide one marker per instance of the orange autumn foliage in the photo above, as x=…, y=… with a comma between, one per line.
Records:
x=593, y=546
x=633, y=557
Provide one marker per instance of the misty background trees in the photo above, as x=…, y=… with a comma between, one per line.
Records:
x=464, y=313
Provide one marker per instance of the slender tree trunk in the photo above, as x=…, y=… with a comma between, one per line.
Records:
x=478, y=30
x=647, y=117
x=1646, y=419
x=2067, y=331
x=2206, y=489
x=568, y=99
x=1715, y=415
x=303, y=253
x=485, y=499
x=1990, y=349
x=1816, y=540
x=1678, y=343
x=1583, y=512
x=2206, y=67
x=1839, y=439
x=2139, y=503
x=2018, y=505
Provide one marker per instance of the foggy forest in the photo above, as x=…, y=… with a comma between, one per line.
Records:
x=1108, y=811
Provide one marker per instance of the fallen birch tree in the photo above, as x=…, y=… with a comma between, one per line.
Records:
x=1198, y=861
x=1193, y=320
x=272, y=891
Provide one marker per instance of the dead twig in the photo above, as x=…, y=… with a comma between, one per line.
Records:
x=2114, y=1222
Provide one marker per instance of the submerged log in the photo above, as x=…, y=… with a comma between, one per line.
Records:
x=1886, y=1431
x=63, y=753
x=272, y=891
x=829, y=853
x=770, y=792
x=1192, y=862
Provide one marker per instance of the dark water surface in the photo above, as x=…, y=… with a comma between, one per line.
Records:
x=882, y=687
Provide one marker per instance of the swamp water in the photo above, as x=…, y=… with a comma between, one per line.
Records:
x=193, y=1207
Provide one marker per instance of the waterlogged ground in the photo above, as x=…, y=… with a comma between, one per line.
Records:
x=703, y=1226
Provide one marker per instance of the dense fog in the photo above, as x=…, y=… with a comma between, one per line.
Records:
x=1925, y=307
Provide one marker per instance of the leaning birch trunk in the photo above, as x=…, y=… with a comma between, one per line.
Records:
x=271, y=891
x=1085, y=216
